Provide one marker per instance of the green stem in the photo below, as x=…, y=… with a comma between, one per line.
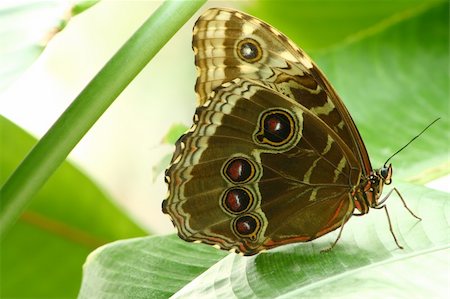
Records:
x=91, y=103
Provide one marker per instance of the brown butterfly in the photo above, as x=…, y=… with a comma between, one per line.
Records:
x=274, y=156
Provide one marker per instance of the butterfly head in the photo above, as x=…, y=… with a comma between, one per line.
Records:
x=379, y=178
x=385, y=174
x=373, y=188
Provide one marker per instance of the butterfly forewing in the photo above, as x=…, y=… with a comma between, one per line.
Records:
x=217, y=42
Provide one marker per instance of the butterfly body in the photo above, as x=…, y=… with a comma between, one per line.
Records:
x=273, y=156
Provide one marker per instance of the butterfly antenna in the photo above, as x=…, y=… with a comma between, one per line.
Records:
x=403, y=147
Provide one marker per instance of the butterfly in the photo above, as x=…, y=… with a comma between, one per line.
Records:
x=273, y=156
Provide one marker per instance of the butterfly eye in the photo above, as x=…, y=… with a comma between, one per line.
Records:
x=246, y=226
x=386, y=173
x=249, y=50
x=237, y=200
x=276, y=128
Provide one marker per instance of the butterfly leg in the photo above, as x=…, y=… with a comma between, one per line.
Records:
x=380, y=206
x=380, y=203
x=344, y=220
x=390, y=228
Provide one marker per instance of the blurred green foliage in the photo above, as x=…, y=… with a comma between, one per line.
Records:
x=67, y=219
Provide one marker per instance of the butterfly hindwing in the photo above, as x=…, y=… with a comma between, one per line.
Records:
x=251, y=170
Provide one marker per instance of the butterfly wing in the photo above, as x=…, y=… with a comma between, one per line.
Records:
x=255, y=170
x=223, y=37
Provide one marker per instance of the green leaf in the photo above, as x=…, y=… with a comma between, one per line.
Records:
x=162, y=164
x=67, y=219
x=156, y=267
x=175, y=131
x=153, y=267
x=82, y=5
x=320, y=24
x=394, y=82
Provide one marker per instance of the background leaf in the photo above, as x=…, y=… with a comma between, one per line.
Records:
x=152, y=267
x=67, y=219
x=318, y=25
x=175, y=131
x=395, y=82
